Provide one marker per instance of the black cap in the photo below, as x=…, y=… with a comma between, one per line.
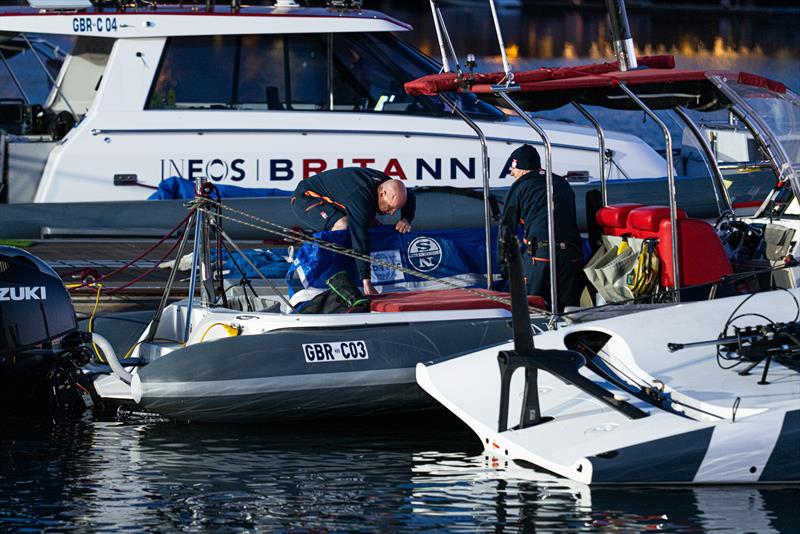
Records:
x=526, y=158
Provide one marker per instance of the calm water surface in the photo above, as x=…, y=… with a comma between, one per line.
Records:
x=142, y=475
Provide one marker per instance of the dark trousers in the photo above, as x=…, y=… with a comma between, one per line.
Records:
x=316, y=214
x=569, y=276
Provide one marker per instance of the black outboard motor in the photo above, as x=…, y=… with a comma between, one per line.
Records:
x=41, y=348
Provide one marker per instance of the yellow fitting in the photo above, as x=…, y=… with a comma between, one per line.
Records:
x=231, y=329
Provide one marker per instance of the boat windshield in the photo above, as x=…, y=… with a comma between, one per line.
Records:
x=780, y=112
x=351, y=72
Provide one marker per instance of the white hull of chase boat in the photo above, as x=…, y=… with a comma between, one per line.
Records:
x=718, y=428
x=130, y=89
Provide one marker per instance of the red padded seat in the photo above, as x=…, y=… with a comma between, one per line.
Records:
x=702, y=257
x=614, y=218
x=648, y=219
x=442, y=299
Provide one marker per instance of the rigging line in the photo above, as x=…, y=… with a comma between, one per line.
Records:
x=294, y=234
x=147, y=272
x=635, y=383
x=695, y=408
x=137, y=258
x=724, y=333
x=796, y=303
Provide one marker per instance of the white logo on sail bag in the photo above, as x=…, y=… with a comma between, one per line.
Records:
x=425, y=254
x=22, y=293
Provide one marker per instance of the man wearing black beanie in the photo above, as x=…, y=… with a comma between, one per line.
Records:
x=526, y=204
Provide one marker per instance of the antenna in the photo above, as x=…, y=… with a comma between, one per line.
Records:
x=506, y=65
x=443, y=37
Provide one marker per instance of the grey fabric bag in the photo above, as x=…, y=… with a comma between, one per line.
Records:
x=778, y=240
x=608, y=271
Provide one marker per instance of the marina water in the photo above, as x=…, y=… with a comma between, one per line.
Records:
x=138, y=474
x=378, y=476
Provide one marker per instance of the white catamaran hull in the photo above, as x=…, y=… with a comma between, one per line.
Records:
x=728, y=428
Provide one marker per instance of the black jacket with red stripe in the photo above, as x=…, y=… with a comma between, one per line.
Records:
x=355, y=191
x=526, y=204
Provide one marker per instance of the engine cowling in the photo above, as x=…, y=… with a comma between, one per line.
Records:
x=41, y=347
x=35, y=308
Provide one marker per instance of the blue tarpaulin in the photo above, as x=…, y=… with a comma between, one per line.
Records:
x=271, y=263
x=180, y=188
x=455, y=255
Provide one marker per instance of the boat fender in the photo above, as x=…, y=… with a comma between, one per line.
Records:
x=111, y=357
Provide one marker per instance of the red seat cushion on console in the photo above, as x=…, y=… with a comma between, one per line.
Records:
x=613, y=218
x=442, y=299
x=648, y=218
x=702, y=257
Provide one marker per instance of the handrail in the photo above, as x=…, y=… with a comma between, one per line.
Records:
x=14, y=78
x=548, y=169
x=724, y=202
x=601, y=140
x=130, y=131
x=673, y=205
x=485, y=168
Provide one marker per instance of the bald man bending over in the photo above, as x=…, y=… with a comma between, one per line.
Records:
x=351, y=198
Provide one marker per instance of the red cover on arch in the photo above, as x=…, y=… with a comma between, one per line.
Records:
x=445, y=82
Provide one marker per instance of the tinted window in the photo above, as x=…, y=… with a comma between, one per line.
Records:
x=365, y=79
x=410, y=64
x=343, y=72
x=195, y=72
x=282, y=72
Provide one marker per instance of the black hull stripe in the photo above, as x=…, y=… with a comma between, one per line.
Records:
x=674, y=459
x=784, y=462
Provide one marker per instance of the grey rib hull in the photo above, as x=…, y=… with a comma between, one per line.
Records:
x=436, y=209
x=269, y=376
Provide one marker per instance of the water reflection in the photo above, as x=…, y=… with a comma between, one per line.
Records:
x=143, y=475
